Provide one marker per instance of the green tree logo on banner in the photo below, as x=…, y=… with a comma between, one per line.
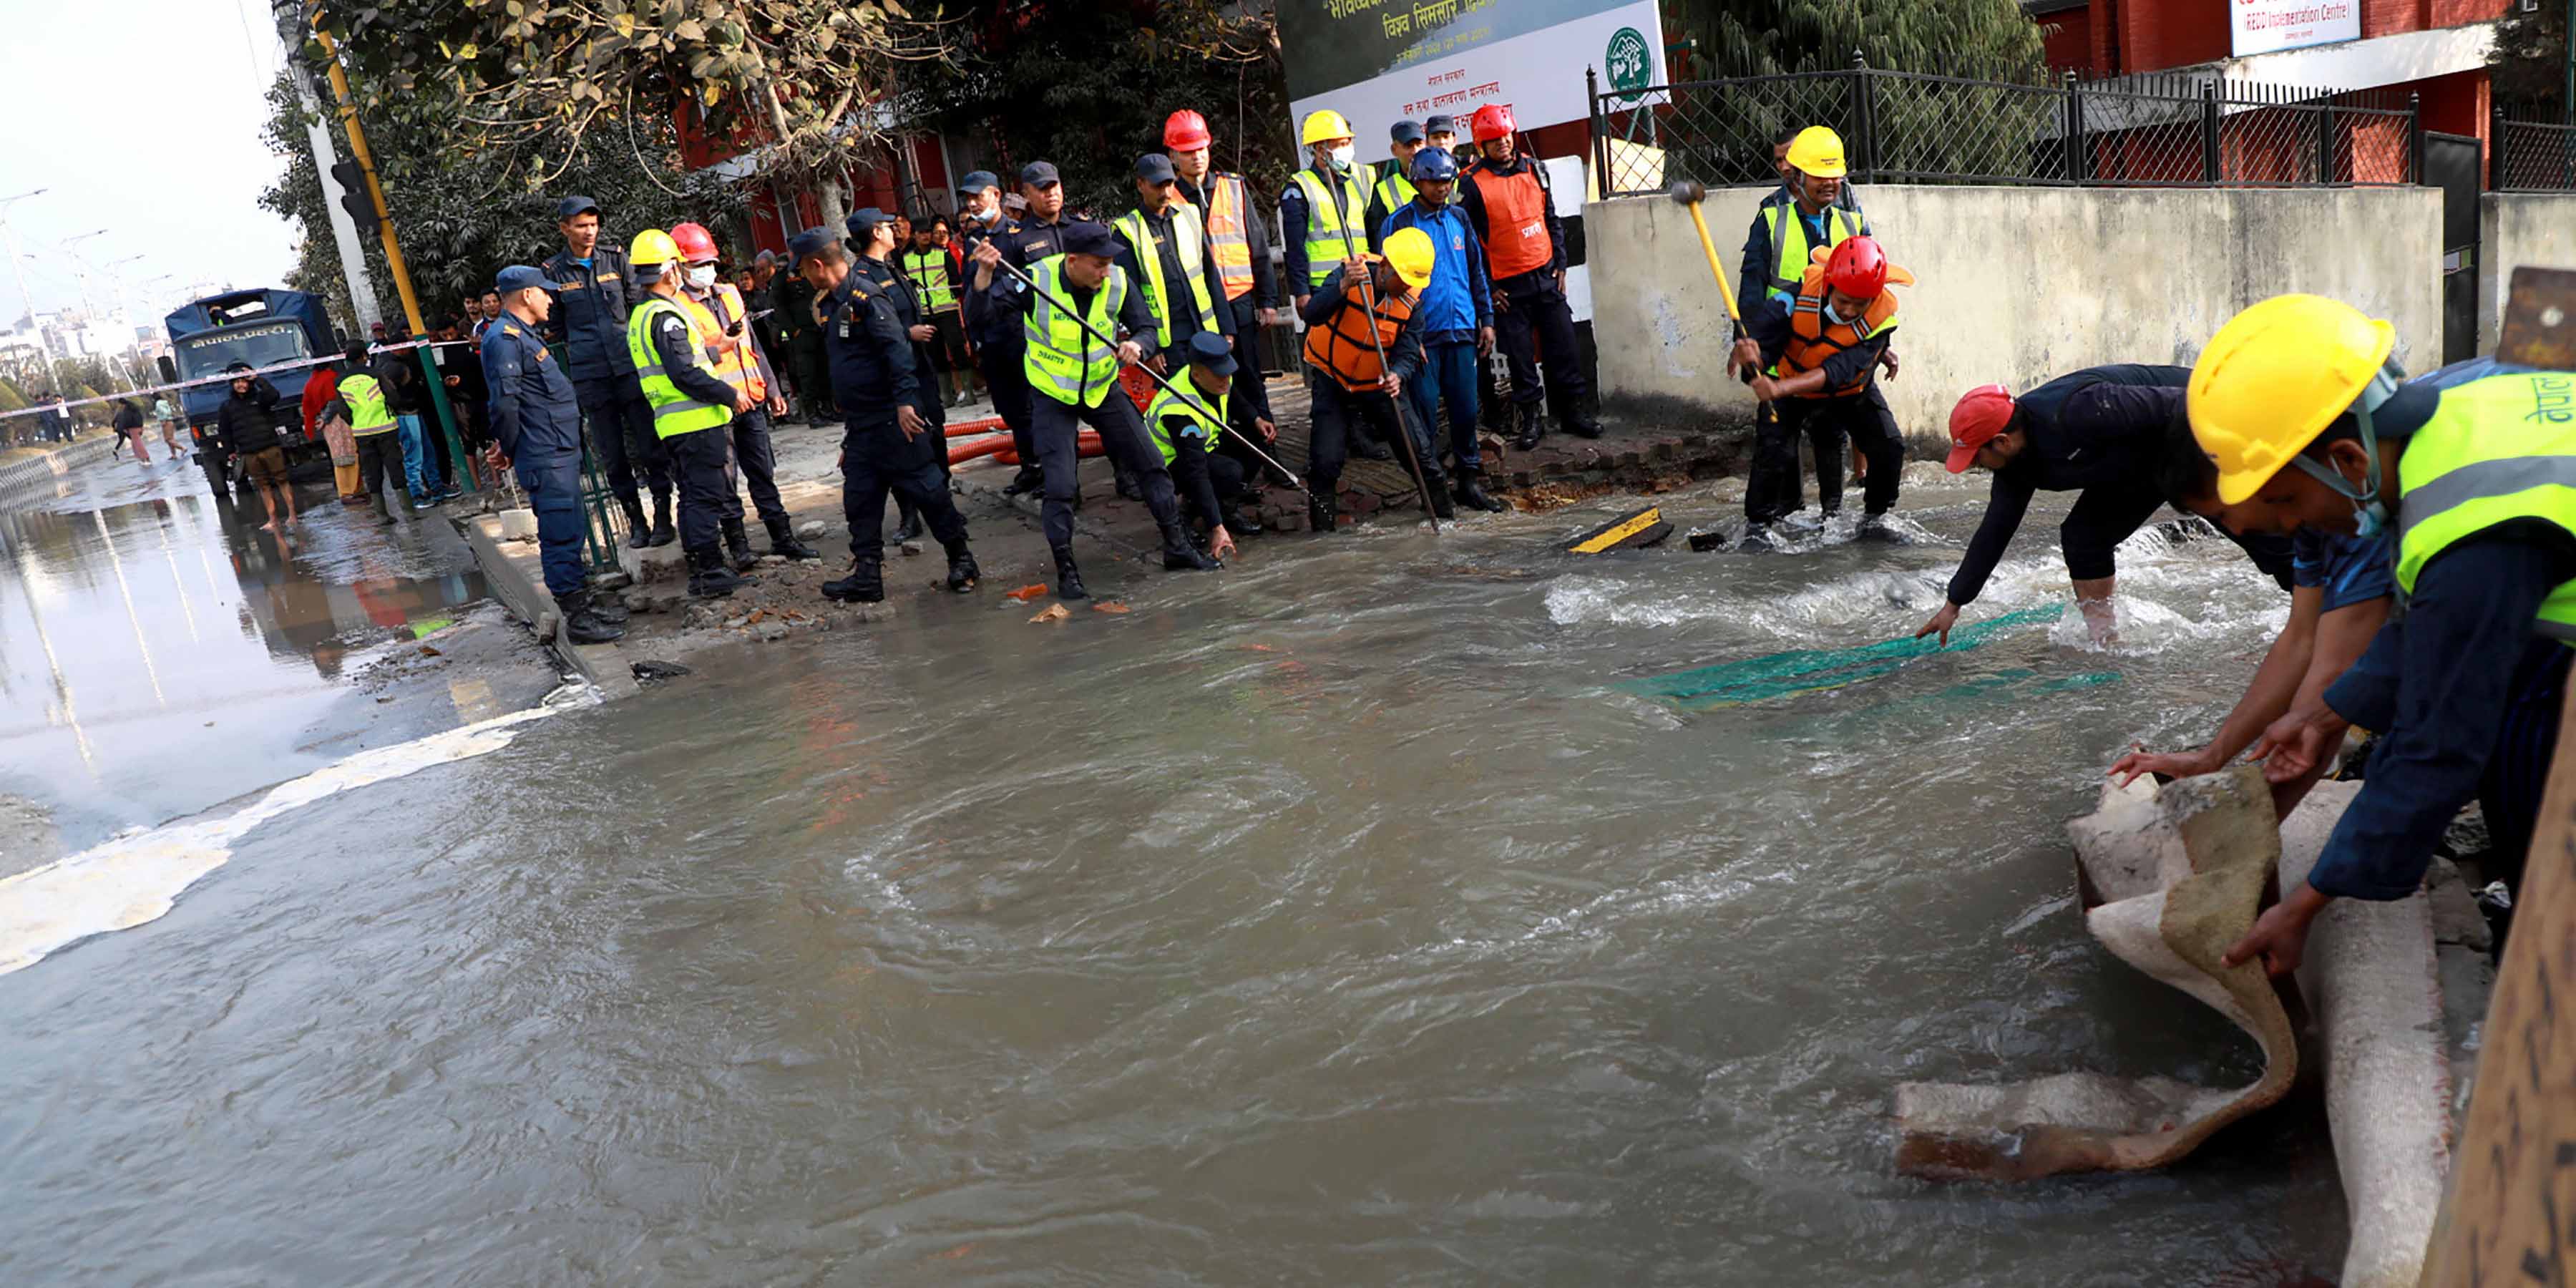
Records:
x=1626, y=61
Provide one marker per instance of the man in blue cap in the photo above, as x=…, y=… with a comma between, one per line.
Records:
x=872, y=243
x=887, y=445
x=1457, y=320
x=1081, y=301
x=1186, y=421
x=1035, y=235
x=593, y=291
x=1442, y=132
x=980, y=219
x=1392, y=188
x=1165, y=252
x=536, y=431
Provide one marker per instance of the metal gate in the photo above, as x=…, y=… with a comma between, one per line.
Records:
x=2452, y=163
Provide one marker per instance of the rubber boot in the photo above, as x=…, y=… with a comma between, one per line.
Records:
x=1471, y=494
x=864, y=585
x=962, y=571
x=639, y=532
x=738, y=546
x=709, y=578
x=1437, y=492
x=783, y=542
x=1244, y=523
x=1576, y=422
x=663, y=533
x=609, y=607
x=1179, y=555
x=1527, y=431
x=583, y=625
x=1323, y=511
x=910, y=527
x=1068, y=578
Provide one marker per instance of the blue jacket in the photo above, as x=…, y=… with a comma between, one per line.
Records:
x=532, y=408
x=1459, y=301
x=589, y=319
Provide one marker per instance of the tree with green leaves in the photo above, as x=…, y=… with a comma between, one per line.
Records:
x=1975, y=39
x=2528, y=63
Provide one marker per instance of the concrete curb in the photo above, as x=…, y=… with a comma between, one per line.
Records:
x=53, y=465
x=518, y=579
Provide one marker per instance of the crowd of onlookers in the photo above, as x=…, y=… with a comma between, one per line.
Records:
x=48, y=422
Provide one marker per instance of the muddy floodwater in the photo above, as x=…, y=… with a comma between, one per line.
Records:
x=1329, y=921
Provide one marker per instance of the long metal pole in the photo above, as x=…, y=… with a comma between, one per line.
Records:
x=344, y=230
x=1403, y=423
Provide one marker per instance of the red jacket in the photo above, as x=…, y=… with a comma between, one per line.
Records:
x=319, y=390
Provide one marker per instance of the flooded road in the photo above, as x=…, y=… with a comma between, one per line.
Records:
x=1329, y=921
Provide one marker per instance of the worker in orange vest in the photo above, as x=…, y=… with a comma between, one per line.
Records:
x=741, y=362
x=1506, y=197
x=1240, y=240
x=1365, y=310
x=1825, y=350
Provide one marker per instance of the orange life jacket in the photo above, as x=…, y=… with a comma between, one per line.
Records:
x=1515, y=220
x=1341, y=348
x=1813, y=339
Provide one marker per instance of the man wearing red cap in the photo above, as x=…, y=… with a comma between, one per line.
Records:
x=1239, y=240
x=1825, y=350
x=2105, y=432
x=1506, y=197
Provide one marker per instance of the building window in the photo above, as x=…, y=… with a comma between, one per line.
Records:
x=2529, y=6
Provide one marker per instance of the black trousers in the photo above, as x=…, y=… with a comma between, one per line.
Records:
x=1007, y=376
x=1056, y=427
x=1539, y=319
x=707, y=497
x=876, y=460
x=380, y=464
x=1251, y=392
x=618, y=425
x=1207, y=481
x=758, y=461
x=2105, y=515
x=1776, y=491
x=1337, y=413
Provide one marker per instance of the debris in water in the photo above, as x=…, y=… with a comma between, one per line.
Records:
x=1111, y=607
x=427, y=651
x=1053, y=613
x=1808, y=670
x=651, y=670
x=1026, y=593
x=1713, y=539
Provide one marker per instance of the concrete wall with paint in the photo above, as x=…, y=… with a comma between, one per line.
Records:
x=2518, y=229
x=2021, y=284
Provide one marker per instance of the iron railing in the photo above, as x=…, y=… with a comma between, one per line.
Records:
x=2529, y=156
x=1911, y=127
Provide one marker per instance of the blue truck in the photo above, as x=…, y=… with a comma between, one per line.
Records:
x=263, y=327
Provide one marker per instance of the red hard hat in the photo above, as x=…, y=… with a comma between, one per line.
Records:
x=1185, y=130
x=1492, y=121
x=1982, y=413
x=694, y=241
x=1858, y=268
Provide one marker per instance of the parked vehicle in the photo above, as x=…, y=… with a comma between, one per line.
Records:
x=262, y=327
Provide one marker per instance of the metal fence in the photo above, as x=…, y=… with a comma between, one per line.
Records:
x=1910, y=127
x=2528, y=156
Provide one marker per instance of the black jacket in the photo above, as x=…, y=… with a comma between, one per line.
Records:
x=588, y=325
x=2099, y=426
x=247, y=424
x=871, y=357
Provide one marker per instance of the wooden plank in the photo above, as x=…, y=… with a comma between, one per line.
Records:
x=2540, y=319
x=1636, y=529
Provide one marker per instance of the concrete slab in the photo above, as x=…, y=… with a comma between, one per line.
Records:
x=513, y=572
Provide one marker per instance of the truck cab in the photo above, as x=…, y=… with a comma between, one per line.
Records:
x=263, y=327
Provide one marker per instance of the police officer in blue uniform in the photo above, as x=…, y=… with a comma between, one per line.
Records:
x=887, y=445
x=593, y=288
x=536, y=430
x=872, y=246
x=1027, y=240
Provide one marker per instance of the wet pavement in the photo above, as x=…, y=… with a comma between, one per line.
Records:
x=1327, y=920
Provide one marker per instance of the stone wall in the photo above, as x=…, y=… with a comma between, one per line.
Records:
x=2017, y=285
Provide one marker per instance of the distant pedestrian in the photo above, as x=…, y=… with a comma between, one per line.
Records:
x=374, y=431
x=320, y=388
x=167, y=417
x=247, y=424
x=129, y=429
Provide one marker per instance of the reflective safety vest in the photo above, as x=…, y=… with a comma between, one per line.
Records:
x=1204, y=414
x=1189, y=245
x=2496, y=450
x=1813, y=339
x=1341, y=348
x=928, y=270
x=1335, y=229
x=1394, y=189
x=721, y=308
x=1789, y=247
x=1227, y=201
x=368, y=411
x=674, y=412
x=1064, y=362
x=1515, y=218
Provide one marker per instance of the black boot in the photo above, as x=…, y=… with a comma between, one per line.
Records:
x=1179, y=555
x=783, y=542
x=738, y=546
x=639, y=533
x=1029, y=479
x=1527, y=431
x=582, y=624
x=1323, y=510
x=609, y=607
x=1577, y=423
x=1068, y=579
x=1471, y=494
x=1369, y=449
x=709, y=578
x=1244, y=523
x=1437, y=494
x=663, y=533
x=962, y=571
x=909, y=527
x=864, y=585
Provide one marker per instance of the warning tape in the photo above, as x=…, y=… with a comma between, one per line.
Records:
x=227, y=377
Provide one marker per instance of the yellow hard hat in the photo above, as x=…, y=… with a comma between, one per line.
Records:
x=652, y=246
x=1324, y=127
x=2273, y=378
x=1408, y=252
x=1817, y=151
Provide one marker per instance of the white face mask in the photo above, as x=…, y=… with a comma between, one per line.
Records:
x=702, y=276
x=1343, y=155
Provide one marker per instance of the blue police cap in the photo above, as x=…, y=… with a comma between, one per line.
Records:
x=1404, y=132
x=1090, y=239
x=1439, y=125
x=1154, y=167
x=1213, y=351
x=517, y=277
x=570, y=206
x=1434, y=165
x=863, y=222
x=810, y=242
x=1039, y=174
x=977, y=181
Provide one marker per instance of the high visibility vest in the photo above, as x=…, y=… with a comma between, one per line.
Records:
x=1336, y=229
x=674, y=412
x=1341, y=348
x=1813, y=339
x=2495, y=450
x=720, y=309
x=1064, y=362
x=1204, y=413
x=1790, y=249
x=1224, y=217
x=1394, y=189
x=1516, y=218
x=368, y=411
x=928, y=270
x=1189, y=247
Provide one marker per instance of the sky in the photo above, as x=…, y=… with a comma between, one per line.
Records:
x=143, y=118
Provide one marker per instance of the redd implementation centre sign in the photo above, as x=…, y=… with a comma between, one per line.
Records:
x=2263, y=26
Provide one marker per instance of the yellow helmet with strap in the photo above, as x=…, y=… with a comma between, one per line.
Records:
x=1324, y=127
x=2273, y=378
x=1817, y=151
x=652, y=249
x=1409, y=252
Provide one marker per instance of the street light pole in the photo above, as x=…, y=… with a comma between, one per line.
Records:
x=89, y=311
x=26, y=302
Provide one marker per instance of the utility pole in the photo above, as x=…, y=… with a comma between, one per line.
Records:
x=375, y=189
x=344, y=230
x=89, y=311
x=26, y=302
